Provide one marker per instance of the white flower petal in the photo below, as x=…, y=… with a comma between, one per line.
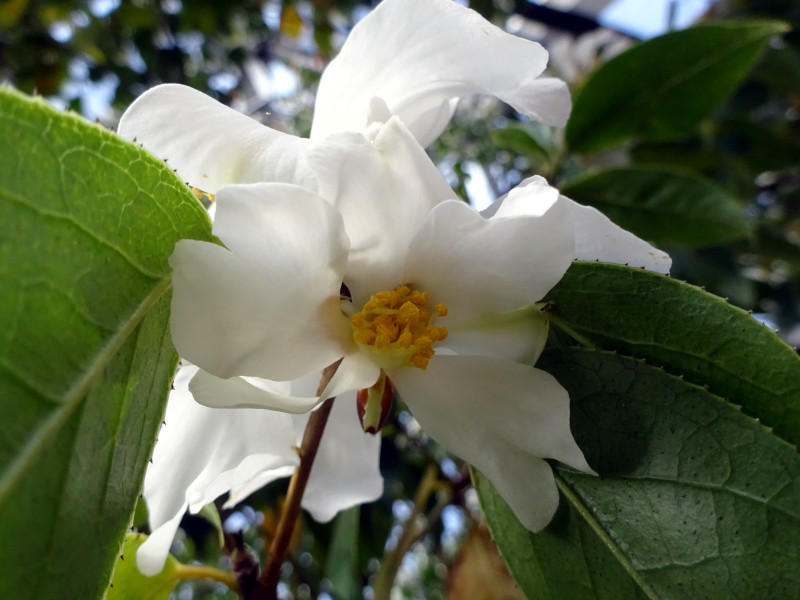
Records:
x=547, y=100
x=346, y=471
x=269, y=305
x=304, y=387
x=384, y=186
x=355, y=372
x=500, y=416
x=519, y=336
x=420, y=55
x=200, y=454
x=248, y=392
x=211, y=145
x=241, y=492
x=532, y=197
x=480, y=266
x=152, y=554
x=598, y=238
x=527, y=485
x=296, y=397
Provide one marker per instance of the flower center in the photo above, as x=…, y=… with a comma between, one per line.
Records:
x=395, y=327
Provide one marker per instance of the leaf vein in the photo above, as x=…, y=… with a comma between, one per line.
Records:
x=6, y=195
x=77, y=392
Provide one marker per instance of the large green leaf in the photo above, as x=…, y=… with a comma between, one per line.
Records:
x=662, y=206
x=87, y=223
x=341, y=567
x=662, y=88
x=694, y=498
x=687, y=331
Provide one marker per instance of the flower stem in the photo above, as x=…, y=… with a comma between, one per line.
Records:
x=391, y=561
x=204, y=572
x=563, y=326
x=267, y=586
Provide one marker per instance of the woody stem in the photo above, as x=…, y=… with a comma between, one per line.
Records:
x=267, y=586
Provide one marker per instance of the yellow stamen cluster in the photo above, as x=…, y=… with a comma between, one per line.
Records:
x=396, y=327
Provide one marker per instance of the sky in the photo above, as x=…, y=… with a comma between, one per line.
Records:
x=649, y=18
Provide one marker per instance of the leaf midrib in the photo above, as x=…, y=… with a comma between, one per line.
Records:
x=609, y=543
x=68, y=218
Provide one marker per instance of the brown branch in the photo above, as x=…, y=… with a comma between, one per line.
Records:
x=267, y=586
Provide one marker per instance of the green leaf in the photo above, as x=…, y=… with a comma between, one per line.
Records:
x=662, y=206
x=342, y=565
x=87, y=223
x=694, y=498
x=687, y=331
x=663, y=87
x=210, y=513
x=518, y=140
x=129, y=584
x=566, y=561
x=689, y=153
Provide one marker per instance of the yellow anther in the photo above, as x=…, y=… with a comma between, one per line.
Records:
x=396, y=327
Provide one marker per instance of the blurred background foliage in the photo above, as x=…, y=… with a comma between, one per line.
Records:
x=265, y=58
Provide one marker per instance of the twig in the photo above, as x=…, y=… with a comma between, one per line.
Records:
x=267, y=586
x=204, y=572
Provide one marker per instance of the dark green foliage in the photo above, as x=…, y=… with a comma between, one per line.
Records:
x=694, y=499
x=662, y=88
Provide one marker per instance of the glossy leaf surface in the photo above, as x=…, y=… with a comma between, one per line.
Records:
x=687, y=331
x=694, y=499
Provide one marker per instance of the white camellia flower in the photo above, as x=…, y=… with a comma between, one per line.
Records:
x=414, y=59
x=386, y=270
x=411, y=58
